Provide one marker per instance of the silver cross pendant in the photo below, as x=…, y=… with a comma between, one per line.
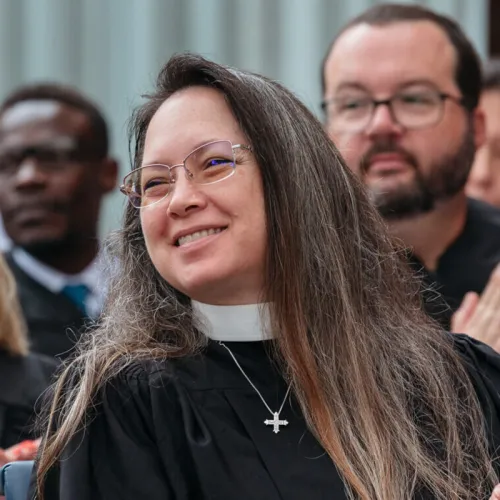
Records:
x=276, y=422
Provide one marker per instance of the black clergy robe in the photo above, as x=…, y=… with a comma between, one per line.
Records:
x=54, y=321
x=465, y=266
x=23, y=380
x=193, y=429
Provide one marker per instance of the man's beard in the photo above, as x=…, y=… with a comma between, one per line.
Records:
x=446, y=178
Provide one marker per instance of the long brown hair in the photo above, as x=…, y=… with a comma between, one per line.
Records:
x=13, y=338
x=379, y=384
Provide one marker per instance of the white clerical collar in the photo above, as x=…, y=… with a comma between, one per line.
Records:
x=247, y=323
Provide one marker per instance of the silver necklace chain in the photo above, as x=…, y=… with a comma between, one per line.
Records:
x=275, y=422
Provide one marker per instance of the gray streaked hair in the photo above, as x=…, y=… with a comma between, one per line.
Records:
x=378, y=382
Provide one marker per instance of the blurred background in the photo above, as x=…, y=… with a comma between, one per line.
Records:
x=112, y=49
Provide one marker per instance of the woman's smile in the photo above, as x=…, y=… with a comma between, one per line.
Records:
x=197, y=235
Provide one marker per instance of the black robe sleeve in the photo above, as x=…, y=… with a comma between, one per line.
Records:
x=483, y=365
x=132, y=448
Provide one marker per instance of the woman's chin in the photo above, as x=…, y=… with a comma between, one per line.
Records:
x=202, y=286
x=217, y=291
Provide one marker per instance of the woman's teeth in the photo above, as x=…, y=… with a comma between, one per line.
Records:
x=196, y=236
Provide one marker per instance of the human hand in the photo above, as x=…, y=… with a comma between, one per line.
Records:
x=26, y=450
x=3, y=458
x=496, y=493
x=479, y=317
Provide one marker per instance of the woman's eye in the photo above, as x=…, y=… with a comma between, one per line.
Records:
x=216, y=162
x=151, y=184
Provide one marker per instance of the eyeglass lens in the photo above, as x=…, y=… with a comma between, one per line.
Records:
x=411, y=109
x=208, y=164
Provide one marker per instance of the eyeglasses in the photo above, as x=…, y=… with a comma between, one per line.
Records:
x=48, y=158
x=213, y=162
x=410, y=109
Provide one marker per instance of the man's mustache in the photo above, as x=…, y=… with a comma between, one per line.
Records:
x=383, y=148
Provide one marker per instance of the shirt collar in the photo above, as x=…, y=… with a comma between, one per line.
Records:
x=51, y=278
x=244, y=323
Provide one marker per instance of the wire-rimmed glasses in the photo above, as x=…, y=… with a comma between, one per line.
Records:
x=210, y=163
x=412, y=109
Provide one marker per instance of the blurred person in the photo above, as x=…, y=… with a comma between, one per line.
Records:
x=264, y=338
x=401, y=88
x=54, y=171
x=484, y=178
x=5, y=243
x=24, y=377
x=479, y=315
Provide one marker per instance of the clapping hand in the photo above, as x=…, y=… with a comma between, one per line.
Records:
x=479, y=316
x=496, y=493
x=25, y=450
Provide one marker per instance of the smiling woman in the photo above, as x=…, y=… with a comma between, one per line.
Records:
x=227, y=265
x=261, y=316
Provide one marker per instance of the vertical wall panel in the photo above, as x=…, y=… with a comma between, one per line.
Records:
x=94, y=49
x=11, y=45
x=209, y=27
x=476, y=14
x=301, y=37
x=112, y=49
x=248, y=33
x=51, y=33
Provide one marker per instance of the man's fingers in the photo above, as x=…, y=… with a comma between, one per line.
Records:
x=487, y=314
x=496, y=493
x=3, y=457
x=492, y=289
x=480, y=317
x=464, y=313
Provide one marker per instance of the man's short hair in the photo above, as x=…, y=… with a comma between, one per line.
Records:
x=71, y=97
x=468, y=69
x=491, y=74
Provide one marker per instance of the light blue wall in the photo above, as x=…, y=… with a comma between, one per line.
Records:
x=112, y=49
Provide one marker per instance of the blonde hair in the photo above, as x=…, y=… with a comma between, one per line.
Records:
x=13, y=338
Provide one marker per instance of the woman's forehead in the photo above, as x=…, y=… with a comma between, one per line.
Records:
x=189, y=117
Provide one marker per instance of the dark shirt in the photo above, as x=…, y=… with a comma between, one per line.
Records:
x=23, y=381
x=54, y=321
x=467, y=263
x=193, y=429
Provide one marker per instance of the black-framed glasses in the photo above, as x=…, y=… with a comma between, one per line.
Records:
x=210, y=163
x=412, y=109
x=47, y=157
